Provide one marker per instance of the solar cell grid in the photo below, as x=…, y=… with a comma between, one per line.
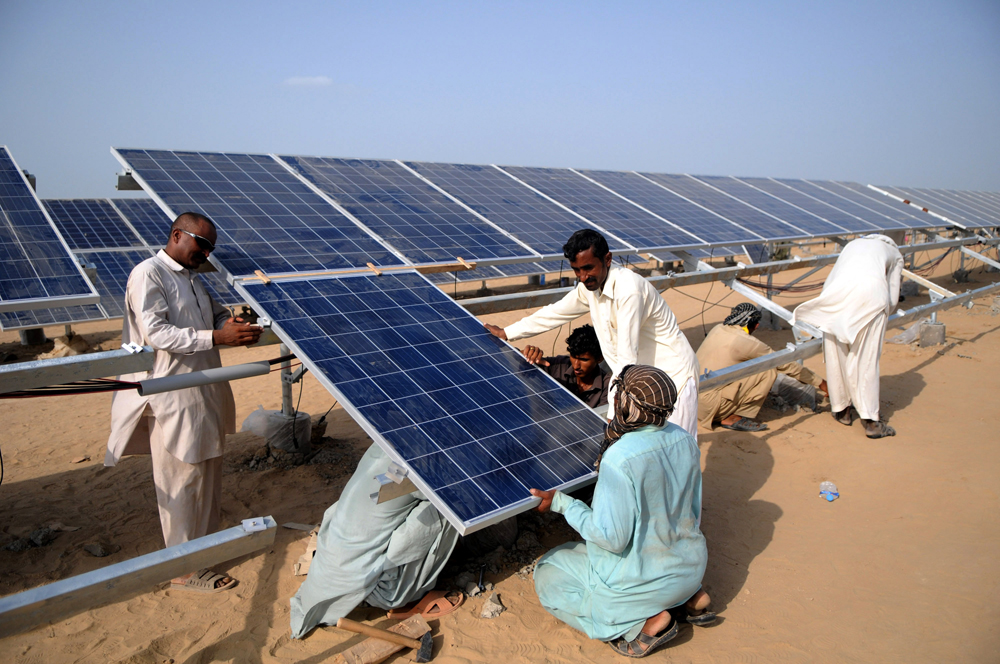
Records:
x=698, y=221
x=943, y=204
x=896, y=212
x=851, y=223
x=797, y=217
x=90, y=223
x=147, y=218
x=973, y=201
x=604, y=208
x=536, y=221
x=413, y=217
x=113, y=268
x=735, y=211
x=34, y=262
x=477, y=425
x=20, y=320
x=265, y=217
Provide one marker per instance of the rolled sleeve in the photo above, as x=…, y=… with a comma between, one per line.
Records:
x=569, y=308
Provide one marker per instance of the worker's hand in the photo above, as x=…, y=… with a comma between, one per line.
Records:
x=236, y=333
x=496, y=331
x=824, y=389
x=546, y=497
x=534, y=355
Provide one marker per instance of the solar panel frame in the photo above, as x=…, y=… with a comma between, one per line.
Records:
x=29, y=242
x=267, y=218
x=444, y=341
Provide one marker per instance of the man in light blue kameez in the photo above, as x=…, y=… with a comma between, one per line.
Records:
x=388, y=554
x=640, y=567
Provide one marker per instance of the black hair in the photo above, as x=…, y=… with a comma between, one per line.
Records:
x=187, y=218
x=584, y=239
x=584, y=340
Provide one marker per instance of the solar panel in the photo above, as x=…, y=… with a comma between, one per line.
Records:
x=760, y=200
x=757, y=253
x=877, y=219
x=528, y=216
x=266, y=218
x=474, y=422
x=90, y=223
x=975, y=200
x=37, y=270
x=113, y=268
x=604, y=208
x=407, y=213
x=735, y=211
x=146, y=217
x=695, y=219
x=852, y=223
x=896, y=212
x=943, y=204
x=21, y=320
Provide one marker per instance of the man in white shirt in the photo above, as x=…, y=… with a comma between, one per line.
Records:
x=857, y=298
x=168, y=308
x=633, y=322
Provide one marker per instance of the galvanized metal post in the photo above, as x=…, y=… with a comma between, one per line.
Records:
x=286, y=387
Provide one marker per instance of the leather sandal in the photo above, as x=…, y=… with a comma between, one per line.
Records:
x=644, y=644
x=745, y=424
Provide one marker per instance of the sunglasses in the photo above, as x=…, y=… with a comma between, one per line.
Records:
x=203, y=243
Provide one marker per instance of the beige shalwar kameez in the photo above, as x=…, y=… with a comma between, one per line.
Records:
x=857, y=298
x=725, y=346
x=634, y=325
x=167, y=307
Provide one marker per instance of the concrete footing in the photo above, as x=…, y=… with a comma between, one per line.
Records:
x=932, y=334
x=32, y=337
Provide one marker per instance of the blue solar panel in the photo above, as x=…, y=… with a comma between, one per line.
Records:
x=475, y=423
x=20, y=320
x=895, y=212
x=90, y=223
x=851, y=223
x=407, y=213
x=757, y=253
x=703, y=224
x=735, y=211
x=604, y=208
x=531, y=218
x=869, y=214
x=945, y=205
x=989, y=207
x=220, y=289
x=266, y=218
x=797, y=217
x=146, y=217
x=113, y=268
x=34, y=262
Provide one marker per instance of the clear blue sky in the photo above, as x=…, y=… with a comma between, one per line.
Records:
x=903, y=93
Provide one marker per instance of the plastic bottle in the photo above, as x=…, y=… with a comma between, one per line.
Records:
x=828, y=490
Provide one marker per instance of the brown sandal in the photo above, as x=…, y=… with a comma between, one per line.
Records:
x=434, y=604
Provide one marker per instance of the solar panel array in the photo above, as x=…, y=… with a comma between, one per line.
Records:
x=36, y=267
x=965, y=209
x=476, y=423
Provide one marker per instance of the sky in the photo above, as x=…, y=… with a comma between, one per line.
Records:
x=899, y=93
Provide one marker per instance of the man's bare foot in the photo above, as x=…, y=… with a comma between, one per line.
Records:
x=657, y=623
x=698, y=602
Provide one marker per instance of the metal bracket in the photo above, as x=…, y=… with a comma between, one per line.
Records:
x=393, y=483
x=295, y=376
x=936, y=292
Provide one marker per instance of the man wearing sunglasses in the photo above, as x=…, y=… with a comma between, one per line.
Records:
x=168, y=308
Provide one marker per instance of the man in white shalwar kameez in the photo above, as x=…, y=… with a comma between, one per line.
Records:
x=858, y=296
x=168, y=308
x=633, y=322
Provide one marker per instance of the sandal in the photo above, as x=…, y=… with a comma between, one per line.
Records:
x=846, y=416
x=879, y=430
x=745, y=424
x=203, y=581
x=644, y=644
x=702, y=619
x=434, y=604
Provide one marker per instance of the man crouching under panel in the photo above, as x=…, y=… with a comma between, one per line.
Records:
x=387, y=555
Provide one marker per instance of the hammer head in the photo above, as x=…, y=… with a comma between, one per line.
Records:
x=423, y=654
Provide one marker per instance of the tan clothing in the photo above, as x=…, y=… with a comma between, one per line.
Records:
x=725, y=346
x=634, y=325
x=167, y=307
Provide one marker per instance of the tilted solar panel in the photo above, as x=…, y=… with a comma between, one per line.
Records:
x=22, y=320
x=37, y=270
x=942, y=204
x=897, y=213
x=146, y=217
x=531, y=218
x=852, y=223
x=474, y=422
x=90, y=223
x=605, y=208
x=407, y=213
x=974, y=202
x=113, y=268
x=266, y=218
x=695, y=219
x=868, y=213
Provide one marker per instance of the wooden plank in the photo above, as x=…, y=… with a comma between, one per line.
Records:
x=372, y=651
x=114, y=583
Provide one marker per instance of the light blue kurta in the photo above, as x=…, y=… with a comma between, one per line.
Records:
x=643, y=549
x=388, y=554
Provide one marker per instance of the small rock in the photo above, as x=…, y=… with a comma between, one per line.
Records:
x=492, y=607
x=80, y=459
x=472, y=589
x=19, y=545
x=464, y=579
x=100, y=549
x=489, y=586
x=42, y=536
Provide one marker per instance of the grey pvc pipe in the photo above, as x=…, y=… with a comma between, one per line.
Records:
x=206, y=377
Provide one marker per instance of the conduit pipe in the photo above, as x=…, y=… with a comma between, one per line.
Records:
x=206, y=377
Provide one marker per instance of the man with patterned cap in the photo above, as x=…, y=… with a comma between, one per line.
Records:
x=857, y=298
x=735, y=406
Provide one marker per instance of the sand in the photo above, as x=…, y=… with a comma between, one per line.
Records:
x=903, y=565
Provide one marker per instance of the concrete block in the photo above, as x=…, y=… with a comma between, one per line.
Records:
x=932, y=334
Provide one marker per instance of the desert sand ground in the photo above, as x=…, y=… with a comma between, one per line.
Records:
x=903, y=566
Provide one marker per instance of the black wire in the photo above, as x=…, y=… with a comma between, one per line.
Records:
x=295, y=413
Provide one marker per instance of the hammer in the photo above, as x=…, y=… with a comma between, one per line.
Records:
x=422, y=648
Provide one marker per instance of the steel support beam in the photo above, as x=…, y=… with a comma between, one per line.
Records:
x=42, y=373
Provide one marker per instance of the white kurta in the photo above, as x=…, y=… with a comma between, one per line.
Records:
x=167, y=307
x=634, y=325
x=860, y=293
